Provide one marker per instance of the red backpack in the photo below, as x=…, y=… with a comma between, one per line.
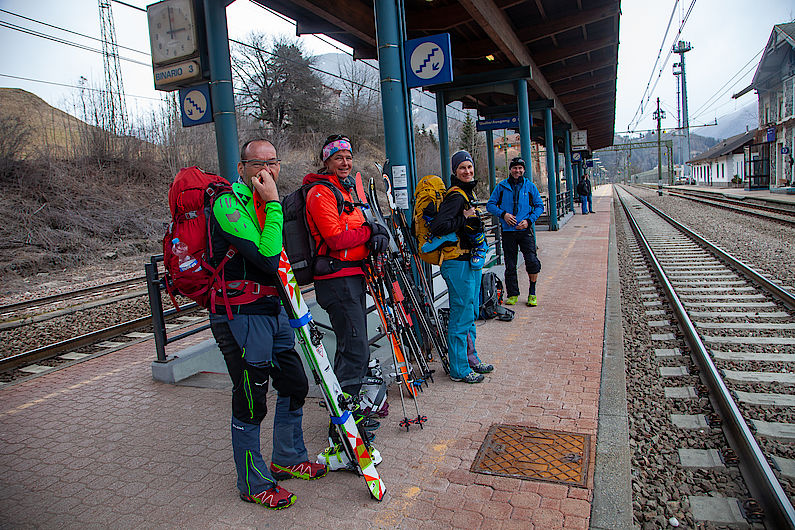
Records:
x=190, y=199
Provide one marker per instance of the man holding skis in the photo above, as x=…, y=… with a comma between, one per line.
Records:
x=256, y=338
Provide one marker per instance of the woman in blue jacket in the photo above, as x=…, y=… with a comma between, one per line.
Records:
x=518, y=204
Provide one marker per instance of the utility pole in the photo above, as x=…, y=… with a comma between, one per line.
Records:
x=681, y=48
x=113, y=95
x=659, y=115
x=677, y=74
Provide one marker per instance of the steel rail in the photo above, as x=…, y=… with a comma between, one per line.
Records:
x=50, y=350
x=761, y=481
x=752, y=274
x=743, y=208
x=62, y=296
x=737, y=201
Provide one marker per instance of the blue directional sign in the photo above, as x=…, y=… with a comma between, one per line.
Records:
x=195, y=104
x=511, y=122
x=428, y=60
x=589, y=162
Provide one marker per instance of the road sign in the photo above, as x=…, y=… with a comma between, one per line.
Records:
x=428, y=60
x=498, y=123
x=576, y=157
x=195, y=105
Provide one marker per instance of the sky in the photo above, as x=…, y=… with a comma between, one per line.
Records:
x=726, y=38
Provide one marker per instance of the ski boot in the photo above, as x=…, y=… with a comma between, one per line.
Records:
x=479, y=250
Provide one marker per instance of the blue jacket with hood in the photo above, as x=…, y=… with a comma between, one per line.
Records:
x=522, y=200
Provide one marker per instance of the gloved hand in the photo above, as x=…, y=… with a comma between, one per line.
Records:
x=379, y=238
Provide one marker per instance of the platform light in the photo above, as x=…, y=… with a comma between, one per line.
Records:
x=489, y=57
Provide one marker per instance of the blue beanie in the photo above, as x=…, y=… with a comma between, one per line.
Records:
x=458, y=157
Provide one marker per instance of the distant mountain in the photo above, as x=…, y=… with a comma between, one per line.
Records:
x=739, y=121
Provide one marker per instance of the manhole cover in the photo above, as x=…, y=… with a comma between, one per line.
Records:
x=526, y=453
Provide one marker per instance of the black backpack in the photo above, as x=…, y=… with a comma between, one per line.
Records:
x=298, y=241
x=491, y=292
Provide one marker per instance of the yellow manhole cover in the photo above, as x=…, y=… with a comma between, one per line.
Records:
x=523, y=452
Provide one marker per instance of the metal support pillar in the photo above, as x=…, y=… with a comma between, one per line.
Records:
x=524, y=126
x=221, y=90
x=490, y=155
x=444, y=139
x=567, y=158
x=397, y=126
x=551, y=177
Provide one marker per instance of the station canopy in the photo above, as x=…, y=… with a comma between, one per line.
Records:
x=570, y=47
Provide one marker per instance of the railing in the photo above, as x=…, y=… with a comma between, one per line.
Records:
x=155, y=287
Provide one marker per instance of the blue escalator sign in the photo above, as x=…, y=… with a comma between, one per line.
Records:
x=428, y=60
x=195, y=104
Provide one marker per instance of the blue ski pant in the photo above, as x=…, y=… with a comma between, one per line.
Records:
x=463, y=287
x=258, y=348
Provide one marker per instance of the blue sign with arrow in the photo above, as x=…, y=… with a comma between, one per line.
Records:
x=428, y=60
x=195, y=104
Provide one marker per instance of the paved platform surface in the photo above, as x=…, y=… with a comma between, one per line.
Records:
x=101, y=444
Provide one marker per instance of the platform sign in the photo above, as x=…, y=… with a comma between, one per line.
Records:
x=589, y=162
x=576, y=157
x=511, y=122
x=428, y=60
x=195, y=104
x=771, y=134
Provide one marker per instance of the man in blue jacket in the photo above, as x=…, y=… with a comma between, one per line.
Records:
x=518, y=204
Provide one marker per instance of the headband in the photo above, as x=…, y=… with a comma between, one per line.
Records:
x=337, y=145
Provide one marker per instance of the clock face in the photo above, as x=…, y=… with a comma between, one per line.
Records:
x=172, y=30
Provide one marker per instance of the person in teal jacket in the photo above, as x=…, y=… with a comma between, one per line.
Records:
x=518, y=204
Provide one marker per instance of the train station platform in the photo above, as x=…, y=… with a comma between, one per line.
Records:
x=784, y=196
x=102, y=444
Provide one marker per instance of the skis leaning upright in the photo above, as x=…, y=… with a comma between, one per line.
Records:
x=310, y=339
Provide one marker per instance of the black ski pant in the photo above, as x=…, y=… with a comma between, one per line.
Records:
x=512, y=242
x=345, y=302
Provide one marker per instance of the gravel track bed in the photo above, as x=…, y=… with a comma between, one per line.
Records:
x=39, y=334
x=660, y=485
x=766, y=245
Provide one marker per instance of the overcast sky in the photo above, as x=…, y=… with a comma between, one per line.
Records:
x=726, y=36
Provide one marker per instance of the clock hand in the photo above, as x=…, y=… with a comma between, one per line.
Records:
x=170, y=25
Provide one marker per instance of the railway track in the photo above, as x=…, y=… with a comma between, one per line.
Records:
x=739, y=327
x=46, y=308
x=765, y=211
x=57, y=317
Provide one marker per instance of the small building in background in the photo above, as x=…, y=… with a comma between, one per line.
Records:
x=769, y=159
x=723, y=164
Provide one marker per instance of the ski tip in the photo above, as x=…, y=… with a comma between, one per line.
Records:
x=378, y=490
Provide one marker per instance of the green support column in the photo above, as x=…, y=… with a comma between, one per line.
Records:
x=397, y=126
x=444, y=139
x=524, y=125
x=221, y=90
x=567, y=157
x=551, y=177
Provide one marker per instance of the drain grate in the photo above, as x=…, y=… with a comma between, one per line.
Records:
x=526, y=453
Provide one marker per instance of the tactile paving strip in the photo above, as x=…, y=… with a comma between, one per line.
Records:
x=538, y=454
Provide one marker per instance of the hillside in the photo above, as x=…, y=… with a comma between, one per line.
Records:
x=52, y=130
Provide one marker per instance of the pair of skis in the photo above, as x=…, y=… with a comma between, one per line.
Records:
x=338, y=405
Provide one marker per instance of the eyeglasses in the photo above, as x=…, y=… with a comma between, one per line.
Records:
x=259, y=164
